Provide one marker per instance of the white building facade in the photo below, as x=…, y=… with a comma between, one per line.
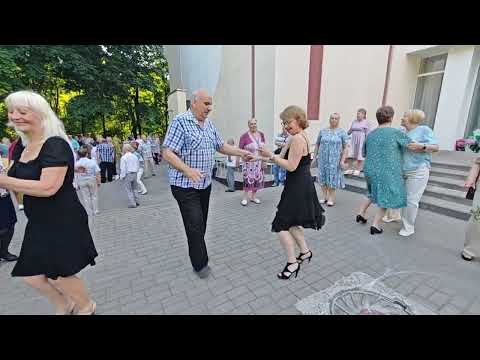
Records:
x=260, y=81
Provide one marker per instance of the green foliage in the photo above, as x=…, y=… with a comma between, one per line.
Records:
x=95, y=89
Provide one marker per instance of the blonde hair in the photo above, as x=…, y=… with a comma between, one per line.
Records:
x=415, y=116
x=294, y=112
x=127, y=148
x=50, y=123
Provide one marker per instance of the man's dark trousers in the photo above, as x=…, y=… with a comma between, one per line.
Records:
x=193, y=204
x=107, y=167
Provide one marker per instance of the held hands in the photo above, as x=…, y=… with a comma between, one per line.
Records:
x=415, y=147
x=264, y=152
x=247, y=156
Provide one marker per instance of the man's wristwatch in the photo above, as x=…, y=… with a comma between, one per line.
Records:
x=424, y=147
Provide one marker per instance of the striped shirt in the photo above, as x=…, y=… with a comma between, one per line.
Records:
x=196, y=146
x=105, y=152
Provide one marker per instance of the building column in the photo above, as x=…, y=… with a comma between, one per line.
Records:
x=314, y=82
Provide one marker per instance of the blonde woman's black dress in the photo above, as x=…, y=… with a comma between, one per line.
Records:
x=57, y=239
x=299, y=205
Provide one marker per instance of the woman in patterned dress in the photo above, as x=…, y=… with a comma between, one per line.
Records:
x=331, y=150
x=253, y=175
x=383, y=168
x=471, y=249
x=359, y=131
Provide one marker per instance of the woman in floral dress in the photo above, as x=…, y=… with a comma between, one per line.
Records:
x=253, y=174
x=331, y=150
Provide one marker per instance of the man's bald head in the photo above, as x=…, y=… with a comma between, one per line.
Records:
x=201, y=104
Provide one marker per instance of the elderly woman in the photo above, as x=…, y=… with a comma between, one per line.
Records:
x=471, y=249
x=416, y=166
x=299, y=207
x=331, y=150
x=57, y=244
x=358, y=130
x=253, y=176
x=383, y=168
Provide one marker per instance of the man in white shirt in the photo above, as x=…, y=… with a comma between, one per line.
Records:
x=231, y=165
x=129, y=166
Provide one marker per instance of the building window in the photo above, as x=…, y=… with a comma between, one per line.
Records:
x=429, y=85
x=473, y=122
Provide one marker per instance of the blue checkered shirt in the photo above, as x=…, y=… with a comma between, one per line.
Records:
x=105, y=152
x=196, y=147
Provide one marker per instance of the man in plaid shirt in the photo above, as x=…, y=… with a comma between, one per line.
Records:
x=189, y=147
x=105, y=155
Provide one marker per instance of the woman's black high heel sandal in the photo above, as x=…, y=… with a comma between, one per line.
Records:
x=301, y=258
x=286, y=273
x=374, y=230
x=360, y=218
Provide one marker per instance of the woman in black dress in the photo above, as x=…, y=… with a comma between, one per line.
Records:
x=57, y=243
x=299, y=207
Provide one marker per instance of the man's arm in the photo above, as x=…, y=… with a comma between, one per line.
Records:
x=169, y=156
x=227, y=149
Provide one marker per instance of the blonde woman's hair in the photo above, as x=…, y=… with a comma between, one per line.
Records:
x=294, y=112
x=51, y=124
x=415, y=116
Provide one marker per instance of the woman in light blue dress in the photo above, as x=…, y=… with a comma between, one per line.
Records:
x=331, y=153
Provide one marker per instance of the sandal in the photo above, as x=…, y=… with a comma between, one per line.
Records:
x=256, y=201
x=287, y=273
x=70, y=309
x=302, y=257
x=90, y=311
x=244, y=202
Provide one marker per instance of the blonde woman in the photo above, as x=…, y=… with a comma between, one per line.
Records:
x=471, y=249
x=416, y=166
x=299, y=207
x=331, y=150
x=57, y=244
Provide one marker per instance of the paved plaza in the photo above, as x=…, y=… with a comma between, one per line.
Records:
x=143, y=265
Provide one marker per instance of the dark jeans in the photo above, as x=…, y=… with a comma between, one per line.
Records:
x=193, y=205
x=108, y=168
x=156, y=158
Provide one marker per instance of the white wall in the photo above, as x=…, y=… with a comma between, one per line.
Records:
x=292, y=65
x=265, y=90
x=353, y=77
x=232, y=98
x=451, y=111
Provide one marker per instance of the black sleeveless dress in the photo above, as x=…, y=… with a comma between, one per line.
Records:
x=299, y=205
x=57, y=240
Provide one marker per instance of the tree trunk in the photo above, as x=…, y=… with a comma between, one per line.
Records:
x=137, y=115
x=103, y=125
x=132, y=120
x=82, y=126
x=57, y=100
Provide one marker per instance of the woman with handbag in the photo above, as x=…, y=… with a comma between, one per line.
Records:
x=471, y=248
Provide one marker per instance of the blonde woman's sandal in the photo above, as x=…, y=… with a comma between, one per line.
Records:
x=244, y=202
x=89, y=311
x=69, y=310
x=256, y=201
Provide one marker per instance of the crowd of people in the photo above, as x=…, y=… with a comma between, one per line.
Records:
x=60, y=174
